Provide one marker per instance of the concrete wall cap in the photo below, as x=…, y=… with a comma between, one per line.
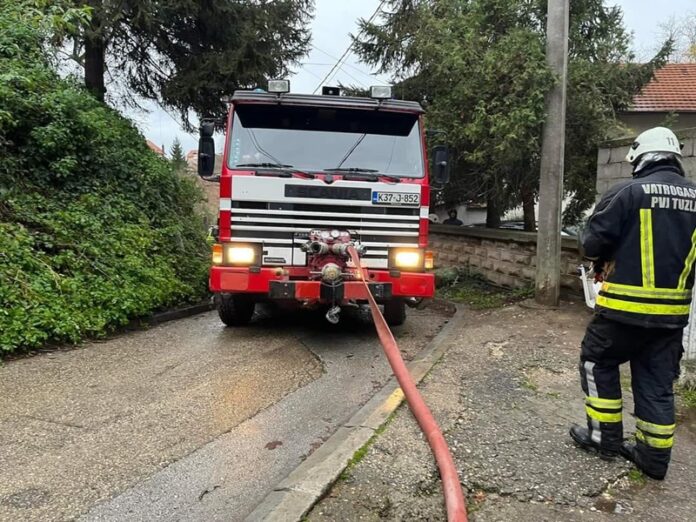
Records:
x=499, y=234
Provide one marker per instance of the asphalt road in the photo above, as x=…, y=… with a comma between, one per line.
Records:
x=185, y=421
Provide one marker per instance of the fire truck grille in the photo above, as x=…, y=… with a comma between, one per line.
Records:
x=283, y=228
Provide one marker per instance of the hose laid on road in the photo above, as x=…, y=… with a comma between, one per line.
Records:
x=454, y=497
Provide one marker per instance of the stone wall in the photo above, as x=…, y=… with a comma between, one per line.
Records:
x=611, y=167
x=504, y=257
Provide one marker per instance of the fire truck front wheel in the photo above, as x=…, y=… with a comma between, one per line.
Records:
x=395, y=312
x=236, y=310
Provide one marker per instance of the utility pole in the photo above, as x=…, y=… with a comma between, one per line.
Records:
x=548, y=274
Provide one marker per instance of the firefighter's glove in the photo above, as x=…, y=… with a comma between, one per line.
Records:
x=598, y=269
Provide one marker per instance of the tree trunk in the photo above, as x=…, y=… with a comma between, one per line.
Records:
x=95, y=51
x=528, y=203
x=493, y=206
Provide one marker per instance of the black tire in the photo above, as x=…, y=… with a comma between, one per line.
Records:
x=395, y=312
x=236, y=310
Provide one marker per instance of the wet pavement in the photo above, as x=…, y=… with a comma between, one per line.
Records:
x=505, y=394
x=185, y=421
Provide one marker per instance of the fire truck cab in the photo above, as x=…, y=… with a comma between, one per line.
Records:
x=303, y=178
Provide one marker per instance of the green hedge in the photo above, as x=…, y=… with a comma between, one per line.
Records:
x=95, y=229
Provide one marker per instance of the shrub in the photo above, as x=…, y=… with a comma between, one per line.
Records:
x=95, y=229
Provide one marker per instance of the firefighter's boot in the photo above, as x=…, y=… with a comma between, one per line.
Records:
x=630, y=453
x=582, y=438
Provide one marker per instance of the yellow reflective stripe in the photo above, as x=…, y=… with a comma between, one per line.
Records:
x=656, y=429
x=642, y=308
x=654, y=441
x=601, y=416
x=615, y=404
x=639, y=291
x=646, y=248
x=689, y=263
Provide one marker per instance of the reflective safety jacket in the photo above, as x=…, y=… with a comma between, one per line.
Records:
x=647, y=228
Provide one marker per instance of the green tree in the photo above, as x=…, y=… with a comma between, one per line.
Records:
x=682, y=30
x=479, y=66
x=177, y=156
x=95, y=229
x=189, y=55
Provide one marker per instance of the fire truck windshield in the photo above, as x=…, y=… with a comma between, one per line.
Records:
x=319, y=138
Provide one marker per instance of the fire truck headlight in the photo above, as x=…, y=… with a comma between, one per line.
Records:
x=407, y=259
x=240, y=255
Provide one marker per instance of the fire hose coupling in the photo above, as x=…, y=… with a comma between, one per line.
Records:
x=328, y=254
x=316, y=247
x=339, y=249
x=331, y=273
x=336, y=242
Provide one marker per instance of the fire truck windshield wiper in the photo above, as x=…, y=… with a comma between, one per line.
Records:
x=356, y=173
x=265, y=165
x=351, y=169
x=278, y=169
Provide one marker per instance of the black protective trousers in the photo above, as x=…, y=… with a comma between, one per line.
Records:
x=654, y=355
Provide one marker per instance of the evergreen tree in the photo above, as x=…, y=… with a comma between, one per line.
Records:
x=189, y=55
x=480, y=68
x=178, y=159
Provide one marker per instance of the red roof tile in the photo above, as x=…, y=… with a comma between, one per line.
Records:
x=155, y=148
x=672, y=90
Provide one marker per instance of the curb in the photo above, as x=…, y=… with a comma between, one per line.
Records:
x=297, y=494
x=180, y=313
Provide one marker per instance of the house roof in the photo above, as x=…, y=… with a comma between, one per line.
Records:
x=155, y=148
x=673, y=89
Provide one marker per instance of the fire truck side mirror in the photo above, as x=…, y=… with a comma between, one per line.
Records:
x=206, y=150
x=206, y=156
x=441, y=165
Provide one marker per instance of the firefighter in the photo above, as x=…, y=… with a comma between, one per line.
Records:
x=642, y=241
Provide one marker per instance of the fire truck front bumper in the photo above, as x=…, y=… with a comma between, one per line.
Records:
x=276, y=284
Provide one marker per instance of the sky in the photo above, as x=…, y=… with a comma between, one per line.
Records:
x=333, y=23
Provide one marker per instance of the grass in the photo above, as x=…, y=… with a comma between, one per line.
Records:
x=466, y=287
x=528, y=384
x=636, y=477
x=688, y=396
x=362, y=451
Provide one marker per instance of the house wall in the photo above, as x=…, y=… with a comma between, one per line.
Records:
x=641, y=121
x=611, y=167
x=504, y=257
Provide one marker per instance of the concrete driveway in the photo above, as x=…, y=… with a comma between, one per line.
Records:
x=185, y=421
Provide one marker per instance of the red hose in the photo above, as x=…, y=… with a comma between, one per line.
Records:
x=454, y=497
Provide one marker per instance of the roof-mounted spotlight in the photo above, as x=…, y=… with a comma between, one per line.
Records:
x=279, y=86
x=381, y=92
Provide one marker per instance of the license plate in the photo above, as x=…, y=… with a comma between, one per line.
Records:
x=396, y=198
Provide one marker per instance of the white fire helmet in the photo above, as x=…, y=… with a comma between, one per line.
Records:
x=433, y=218
x=658, y=139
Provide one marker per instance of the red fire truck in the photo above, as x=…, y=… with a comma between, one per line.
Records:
x=304, y=177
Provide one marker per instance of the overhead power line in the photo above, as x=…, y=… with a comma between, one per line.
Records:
x=306, y=69
x=371, y=76
x=350, y=47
